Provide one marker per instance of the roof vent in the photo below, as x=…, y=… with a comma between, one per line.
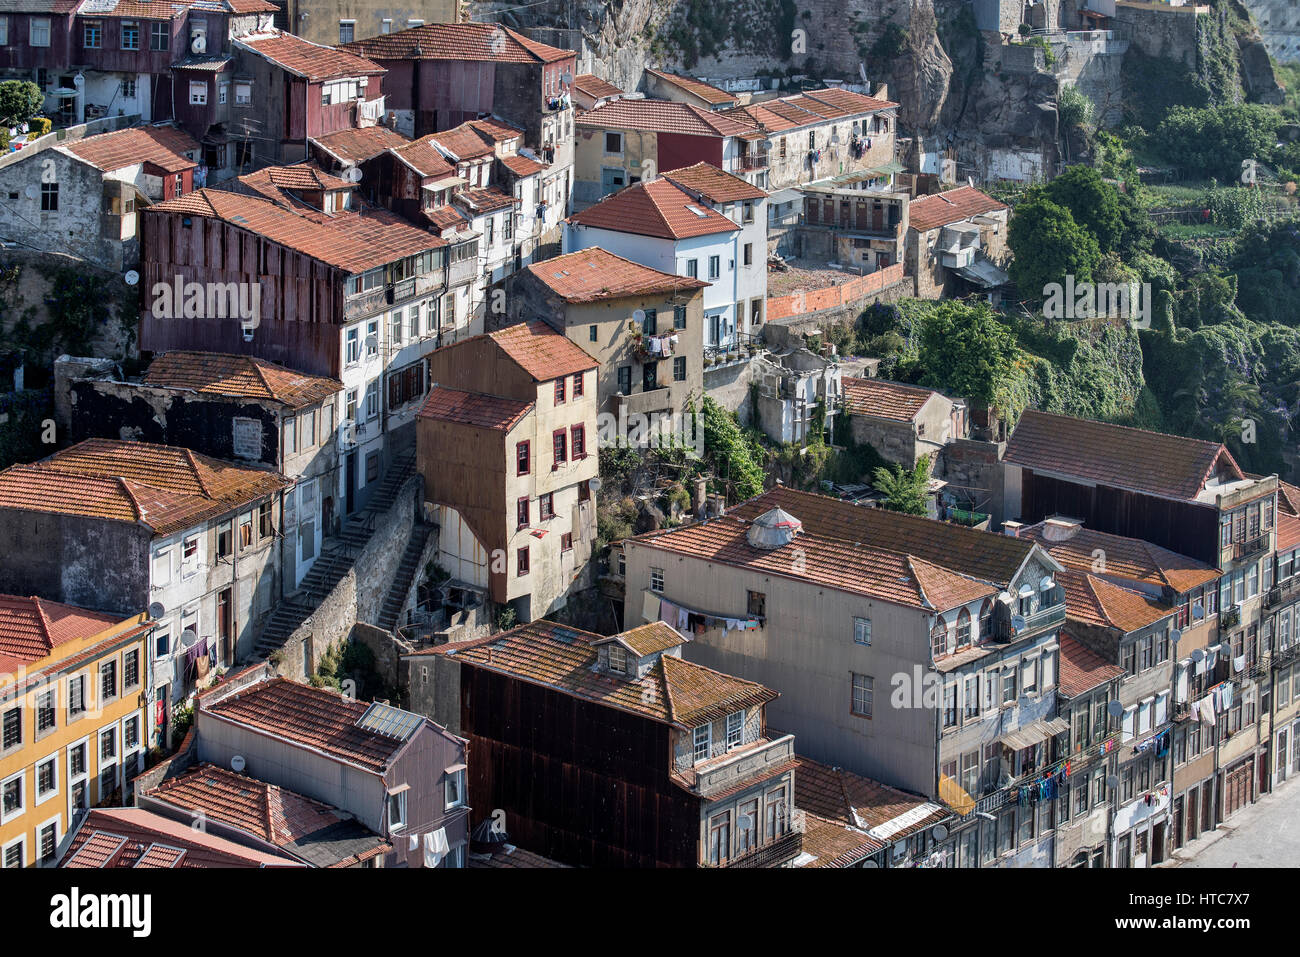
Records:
x=773, y=529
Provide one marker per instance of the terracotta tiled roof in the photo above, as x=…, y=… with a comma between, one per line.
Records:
x=474, y=408
x=853, y=805
x=658, y=208
x=709, y=94
x=1082, y=669
x=849, y=101
x=458, y=41
x=594, y=86
x=133, y=837
x=1129, y=558
x=541, y=351
x=826, y=562
x=510, y=857
x=1288, y=531
x=38, y=6
x=1095, y=601
x=592, y=275
x=465, y=142
x=1288, y=498
x=31, y=628
x=299, y=825
x=942, y=209
x=662, y=116
x=447, y=217
x=807, y=109
x=715, y=185
x=986, y=556
x=306, y=59
x=357, y=146
x=673, y=691
x=423, y=157
x=522, y=165
x=159, y=486
x=217, y=373
x=646, y=640
x=480, y=201
x=314, y=718
x=1166, y=465
x=301, y=176
x=161, y=146
x=354, y=241
x=884, y=400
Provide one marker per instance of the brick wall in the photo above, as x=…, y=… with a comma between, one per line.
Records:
x=833, y=297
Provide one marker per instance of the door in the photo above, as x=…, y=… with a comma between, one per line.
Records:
x=650, y=377
x=611, y=180
x=1140, y=849
x=1158, y=842
x=1193, y=817
x=350, y=483
x=1236, y=789
x=225, y=623
x=1179, y=820
x=1207, y=805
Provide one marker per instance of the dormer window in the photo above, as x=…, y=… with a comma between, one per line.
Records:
x=618, y=659
x=703, y=742
x=735, y=729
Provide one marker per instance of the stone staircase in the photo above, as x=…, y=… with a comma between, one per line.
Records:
x=407, y=569
x=338, y=555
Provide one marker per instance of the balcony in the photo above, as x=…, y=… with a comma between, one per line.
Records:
x=775, y=853
x=644, y=403
x=655, y=347
x=1250, y=547
x=746, y=762
x=1040, y=621
x=1280, y=594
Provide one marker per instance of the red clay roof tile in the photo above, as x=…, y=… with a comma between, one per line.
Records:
x=884, y=400
x=161, y=146
x=715, y=185
x=217, y=373
x=358, y=145
x=942, y=209
x=304, y=58
x=592, y=275
x=474, y=408
x=31, y=628
x=1095, y=601
x=1082, y=669
x=662, y=116
x=659, y=208
x=458, y=41
x=709, y=94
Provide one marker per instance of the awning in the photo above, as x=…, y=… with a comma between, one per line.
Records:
x=445, y=183
x=455, y=768
x=983, y=273
x=1034, y=734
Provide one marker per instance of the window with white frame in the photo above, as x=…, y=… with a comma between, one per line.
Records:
x=198, y=92
x=372, y=338
x=46, y=720
x=190, y=557
x=347, y=31
x=12, y=724
x=39, y=32
x=372, y=399
x=162, y=568
x=47, y=778
x=13, y=796
x=14, y=854
x=863, y=695
x=107, y=745
x=352, y=345
x=76, y=697
x=1128, y=726
x=1145, y=710
x=862, y=631
x=1049, y=669
x=703, y=742
x=735, y=729
x=618, y=659
x=243, y=94
x=47, y=842
x=397, y=811
x=4, y=31
x=131, y=734
x=1029, y=676
x=657, y=580
x=455, y=796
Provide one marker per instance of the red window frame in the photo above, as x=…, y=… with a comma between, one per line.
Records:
x=577, y=384
x=559, y=391
x=521, y=512
x=578, y=441
x=523, y=458
x=560, y=447
x=546, y=506
x=566, y=542
x=521, y=561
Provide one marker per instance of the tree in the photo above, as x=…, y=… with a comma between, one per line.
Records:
x=904, y=491
x=965, y=349
x=1215, y=141
x=20, y=100
x=733, y=460
x=1092, y=202
x=1048, y=245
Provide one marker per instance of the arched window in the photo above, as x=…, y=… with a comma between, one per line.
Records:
x=986, y=619
x=939, y=639
x=963, y=629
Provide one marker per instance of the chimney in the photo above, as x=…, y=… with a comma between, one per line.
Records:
x=1012, y=529
x=701, y=496
x=1061, y=529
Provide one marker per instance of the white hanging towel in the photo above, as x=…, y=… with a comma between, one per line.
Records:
x=1180, y=692
x=415, y=841
x=435, y=847
x=1226, y=694
x=1239, y=663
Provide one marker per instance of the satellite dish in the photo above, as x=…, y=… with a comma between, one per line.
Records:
x=353, y=174
x=32, y=192
x=1225, y=649
x=79, y=80
x=1176, y=636
x=869, y=864
x=157, y=610
x=1198, y=654
x=132, y=277
x=1112, y=782
x=1198, y=612
x=638, y=315
x=1018, y=623
x=348, y=432
x=594, y=484
x=237, y=763
x=189, y=637
x=372, y=342
x=1115, y=709
x=940, y=833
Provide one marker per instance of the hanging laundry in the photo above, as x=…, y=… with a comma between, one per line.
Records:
x=1239, y=663
x=1226, y=694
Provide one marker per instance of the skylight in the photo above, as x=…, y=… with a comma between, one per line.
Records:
x=696, y=210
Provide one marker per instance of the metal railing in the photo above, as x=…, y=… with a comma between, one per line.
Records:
x=1283, y=592
x=1251, y=546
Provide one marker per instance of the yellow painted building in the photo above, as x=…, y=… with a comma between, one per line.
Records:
x=73, y=700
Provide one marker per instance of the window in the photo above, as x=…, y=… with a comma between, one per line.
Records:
x=13, y=728
x=950, y=705
x=703, y=742
x=1129, y=725
x=352, y=346
x=566, y=542
x=397, y=811
x=49, y=197
x=970, y=772
x=679, y=369
x=372, y=399
x=971, y=692
x=455, y=793
x=720, y=838
x=77, y=760
x=657, y=580
x=939, y=639
x=735, y=729
x=546, y=505
x=13, y=798
x=1145, y=649
x=862, y=631
x=47, y=842
x=225, y=541
x=521, y=561
x=4, y=31
x=39, y=32
x=521, y=512
x=679, y=317
x=749, y=254
x=107, y=681
x=372, y=334
x=613, y=144
x=159, y=38
x=1009, y=685
x=399, y=319
x=243, y=94
x=347, y=30
x=618, y=658
x=1128, y=658
x=593, y=334
x=963, y=629
x=130, y=35
x=578, y=441
x=747, y=827
x=715, y=267
x=1049, y=670
x=578, y=384
x=693, y=268
x=131, y=733
x=92, y=34
x=756, y=604
x=650, y=325
x=559, y=446
x=76, y=697
x=264, y=527
x=45, y=719
x=559, y=391
x=863, y=692
x=624, y=380
x=521, y=458
x=107, y=745
x=198, y=92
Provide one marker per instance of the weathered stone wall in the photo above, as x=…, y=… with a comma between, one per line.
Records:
x=1158, y=30
x=975, y=465
x=729, y=387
